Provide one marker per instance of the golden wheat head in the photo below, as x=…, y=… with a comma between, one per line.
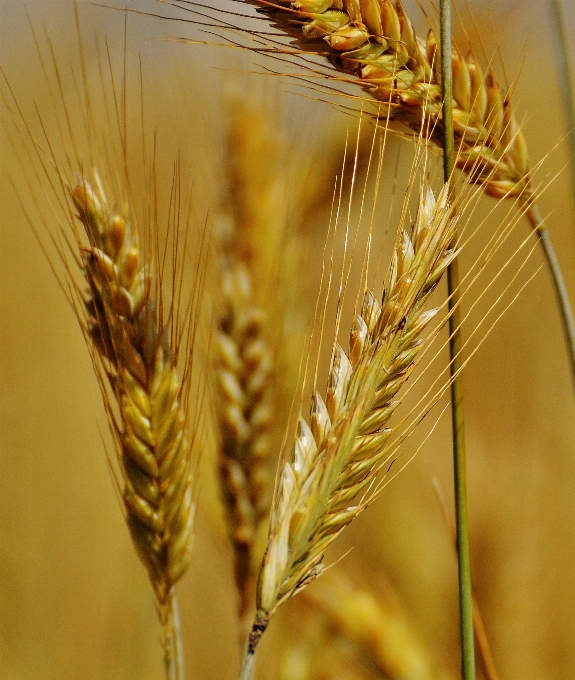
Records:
x=374, y=43
x=151, y=432
x=328, y=478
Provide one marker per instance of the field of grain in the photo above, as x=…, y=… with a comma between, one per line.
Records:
x=75, y=600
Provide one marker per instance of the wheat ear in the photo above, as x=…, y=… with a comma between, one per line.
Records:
x=337, y=456
x=373, y=43
x=378, y=633
x=244, y=375
x=248, y=234
x=125, y=329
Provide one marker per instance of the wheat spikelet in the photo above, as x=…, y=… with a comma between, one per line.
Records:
x=375, y=44
x=337, y=456
x=125, y=328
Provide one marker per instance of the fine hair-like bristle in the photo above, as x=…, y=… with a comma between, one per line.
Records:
x=149, y=421
x=375, y=44
x=327, y=480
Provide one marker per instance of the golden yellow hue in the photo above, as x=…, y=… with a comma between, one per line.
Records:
x=75, y=601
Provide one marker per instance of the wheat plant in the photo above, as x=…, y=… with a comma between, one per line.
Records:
x=244, y=364
x=373, y=44
x=129, y=294
x=126, y=328
x=328, y=477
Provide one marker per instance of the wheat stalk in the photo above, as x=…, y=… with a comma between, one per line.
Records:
x=124, y=327
x=337, y=456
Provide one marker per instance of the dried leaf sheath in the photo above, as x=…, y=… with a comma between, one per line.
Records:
x=375, y=44
x=337, y=456
x=151, y=429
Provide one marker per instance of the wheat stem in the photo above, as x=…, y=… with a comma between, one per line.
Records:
x=258, y=629
x=448, y=135
x=534, y=216
x=166, y=616
x=173, y=667
x=481, y=639
x=565, y=74
x=248, y=667
x=457, y=411
x=178, y=647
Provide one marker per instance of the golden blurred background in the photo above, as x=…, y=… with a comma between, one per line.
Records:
x=75, y=601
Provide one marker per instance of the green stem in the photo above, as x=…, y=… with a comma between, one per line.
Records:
x=457, y=415
x=534, y=216
x=565, y=79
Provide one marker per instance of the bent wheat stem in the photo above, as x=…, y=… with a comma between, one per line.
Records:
x=328, y=478
x=536, y=220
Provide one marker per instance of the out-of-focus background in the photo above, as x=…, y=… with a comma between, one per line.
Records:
x=74, y=599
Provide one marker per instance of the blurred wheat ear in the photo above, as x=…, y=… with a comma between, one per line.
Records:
x=261, y=317
x=374, y=630
x=248, y=232
x=136, y=363
x=244, y=365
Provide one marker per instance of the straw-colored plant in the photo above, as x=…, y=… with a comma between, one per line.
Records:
x=330, y=475
x=333, y=470
x=373, y=44
x=135, y=355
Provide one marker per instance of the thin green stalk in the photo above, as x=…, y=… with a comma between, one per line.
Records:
x=534, y=216
x=565, y=74
x=457, y=415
